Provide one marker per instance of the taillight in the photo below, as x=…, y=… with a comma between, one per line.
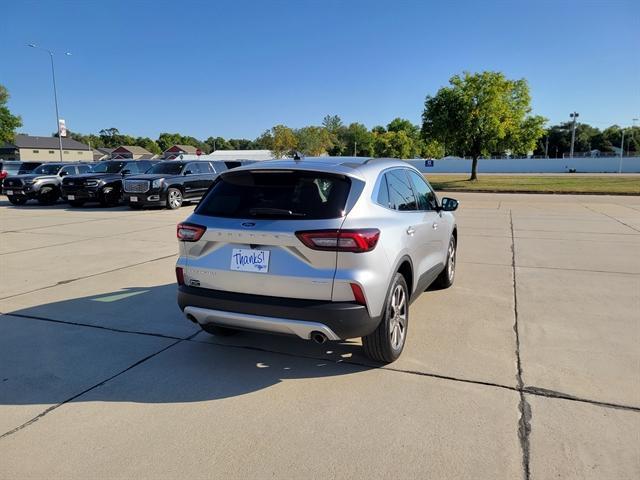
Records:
x=190, y=232
x=180, y=275
x=357, y=241
x=358, y=294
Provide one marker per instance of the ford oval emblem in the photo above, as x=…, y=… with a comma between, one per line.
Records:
x=248, y=224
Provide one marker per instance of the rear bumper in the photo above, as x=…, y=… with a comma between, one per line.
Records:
x=337, y=320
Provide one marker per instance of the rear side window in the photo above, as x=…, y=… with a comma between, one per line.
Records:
x=383, y=193
x=205, y=167
x=400, y=192
x=291, y=194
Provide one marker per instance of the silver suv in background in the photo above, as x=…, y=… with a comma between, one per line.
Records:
x=324, y=248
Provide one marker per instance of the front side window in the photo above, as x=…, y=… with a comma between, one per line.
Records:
x=400, y=192
x=84, y=168
x=132, y=167
x=427, y=200
x=282, y=194
x=47, y=169
x=167, y=168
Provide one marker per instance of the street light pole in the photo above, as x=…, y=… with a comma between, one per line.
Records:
x=55, y=92
x=621, y=152
x=574, y=116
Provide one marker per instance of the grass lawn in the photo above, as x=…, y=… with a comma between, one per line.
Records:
x=624, y=184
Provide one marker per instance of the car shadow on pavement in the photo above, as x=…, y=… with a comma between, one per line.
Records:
x=134, y=345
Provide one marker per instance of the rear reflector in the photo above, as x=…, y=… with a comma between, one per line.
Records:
x=358, y=294
x=180, y=275
x=357, y=241
x=190, y=232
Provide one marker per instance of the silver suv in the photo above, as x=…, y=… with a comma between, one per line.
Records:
x=321, y=248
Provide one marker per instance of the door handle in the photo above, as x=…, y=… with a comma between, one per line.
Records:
x=411, y=231
x=435, y=225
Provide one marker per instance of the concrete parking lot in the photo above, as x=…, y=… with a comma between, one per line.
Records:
x=529, y=367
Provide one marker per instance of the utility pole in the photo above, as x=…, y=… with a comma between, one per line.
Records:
x=355, y=149
x=55, y=92
x=574, y=116
x=546, y=147
x=621, y=152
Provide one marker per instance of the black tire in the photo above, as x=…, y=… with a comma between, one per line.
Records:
x=76, y=203
x=174, y=198
x=448, y=275
x=110, y=199
x=386, y=343
x=15, y=200
x=218, y=331
x=48, y=195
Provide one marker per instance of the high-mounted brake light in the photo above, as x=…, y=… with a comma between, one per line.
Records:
x=356, y=241
x=190, y=232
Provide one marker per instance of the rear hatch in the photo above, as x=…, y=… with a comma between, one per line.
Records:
x=250, y=243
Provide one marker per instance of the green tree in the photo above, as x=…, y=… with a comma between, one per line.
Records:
x=358, y=140
x=480, y=114
x=264, y=141
x=313, y=141
x=432, y=149
x=8, y=122
x=393, y=145
x=284, y=141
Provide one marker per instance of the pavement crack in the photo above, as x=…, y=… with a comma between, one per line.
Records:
x=87, y=390
x=544, y=392
x=612, y=218
x=99, y=327
x=64, y=282
x=524, y=423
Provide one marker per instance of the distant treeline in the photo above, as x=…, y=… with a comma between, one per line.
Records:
x=400, y=139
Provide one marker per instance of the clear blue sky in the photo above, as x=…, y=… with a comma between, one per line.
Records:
x=237, y=68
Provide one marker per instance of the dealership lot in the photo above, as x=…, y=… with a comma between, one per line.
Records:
x=101, y=377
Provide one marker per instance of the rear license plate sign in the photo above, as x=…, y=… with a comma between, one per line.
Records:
x=9, y=192
x=250, y=260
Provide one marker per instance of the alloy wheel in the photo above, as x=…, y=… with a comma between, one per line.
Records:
x=398, y=319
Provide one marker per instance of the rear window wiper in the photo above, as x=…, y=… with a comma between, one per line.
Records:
x=275, y=211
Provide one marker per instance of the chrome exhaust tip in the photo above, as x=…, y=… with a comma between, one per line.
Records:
x=318, y=337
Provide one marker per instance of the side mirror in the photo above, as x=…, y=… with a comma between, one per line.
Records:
x=64, y=173
x=125, y=172
x=449, y=204
x=188, y=172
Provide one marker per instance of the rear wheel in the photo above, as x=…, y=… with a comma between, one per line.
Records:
x=15, y=200
x=448, y=275
x=386, y=343
x=218, y=331
x=48, y=195
x=174, y=198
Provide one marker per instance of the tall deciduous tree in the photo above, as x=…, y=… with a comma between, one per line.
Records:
x=8, y=122
x=284, y=140
x=314, y=141
x=480, y=114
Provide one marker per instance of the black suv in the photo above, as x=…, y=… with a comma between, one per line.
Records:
x=171, y=182
x=103, y=184
x=43, y=183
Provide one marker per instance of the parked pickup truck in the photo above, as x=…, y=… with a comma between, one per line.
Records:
x=42, y=184
x=103, y=184
x=171, y=183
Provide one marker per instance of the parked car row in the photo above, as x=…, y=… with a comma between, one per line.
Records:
x=138, y=183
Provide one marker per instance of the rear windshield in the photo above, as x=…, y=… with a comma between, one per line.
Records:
x=166, y=168
x=292, y=194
